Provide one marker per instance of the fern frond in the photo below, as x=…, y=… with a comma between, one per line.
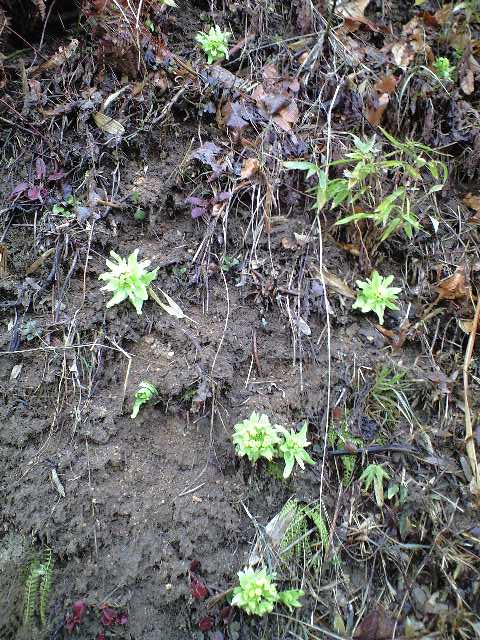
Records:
x=30, y=592
x=45, y=583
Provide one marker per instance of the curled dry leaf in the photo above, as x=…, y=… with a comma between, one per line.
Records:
x=405, y=50
x=473, y=202
x=333, y=282
x=376, y=111
x=376, y=625
x=249, y=168
x=62, y=55
x=352, y=8
x=107, y=124
x=454, y=287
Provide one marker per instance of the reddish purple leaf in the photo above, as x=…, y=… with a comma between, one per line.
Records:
x=40, y=168
x=222, y=196
x=19, y=189
x=122, y=617
x=34, y=193
x=226, y=614
x=109, y=617
x=206, y=623
x=198, y=212
x=79, y=607
x=198, y=590
x=197, y=202
x=101, y=635
x=195, y=564
x=70, y=623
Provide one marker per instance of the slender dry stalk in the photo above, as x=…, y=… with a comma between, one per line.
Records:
x=469, y=439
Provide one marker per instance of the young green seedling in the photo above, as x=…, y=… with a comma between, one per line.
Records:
x=375, y=473
x=256, y=438
x=145, y=392
x=376, y=295
x=214, y=43
x=257, y=593
x=442, y=68
x=292, y=448
x=128, y=279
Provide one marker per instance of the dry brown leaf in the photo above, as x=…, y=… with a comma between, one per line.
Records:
x=376, y=625
x=333, y=282
x=472, y=201
x=454, y=287
x=354, y=249
x=288, y=242
x=467, y=83
x=466, y=325
x=249, y=168
x=387, y=84
x=62, y=55
x=352, y=8
x=107, y=124
x=375, y=113
x=350, y=25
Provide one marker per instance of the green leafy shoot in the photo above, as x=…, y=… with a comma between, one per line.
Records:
x=375, y=474
x=257, y=593
x=145, y=392
x=128, y=279
x=290, y=598
x=65, y=209
x=443, y=69
x=214, y=43
x=256, y=438
x=292, y=448
x=360, y=191
x=376, y=295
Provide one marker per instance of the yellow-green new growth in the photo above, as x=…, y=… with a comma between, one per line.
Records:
x=145, y=392
x=214, y=43
x=257, y=593
x=293, y=448
x=375, y=473
x=128, y=279
x=376, y=295
x=256, y=438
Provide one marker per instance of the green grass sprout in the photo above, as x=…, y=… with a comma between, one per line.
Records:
x=128, y=278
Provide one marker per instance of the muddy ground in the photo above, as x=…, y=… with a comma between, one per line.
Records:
x=145, y=498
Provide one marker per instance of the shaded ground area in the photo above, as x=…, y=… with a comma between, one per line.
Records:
x=116, y=135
